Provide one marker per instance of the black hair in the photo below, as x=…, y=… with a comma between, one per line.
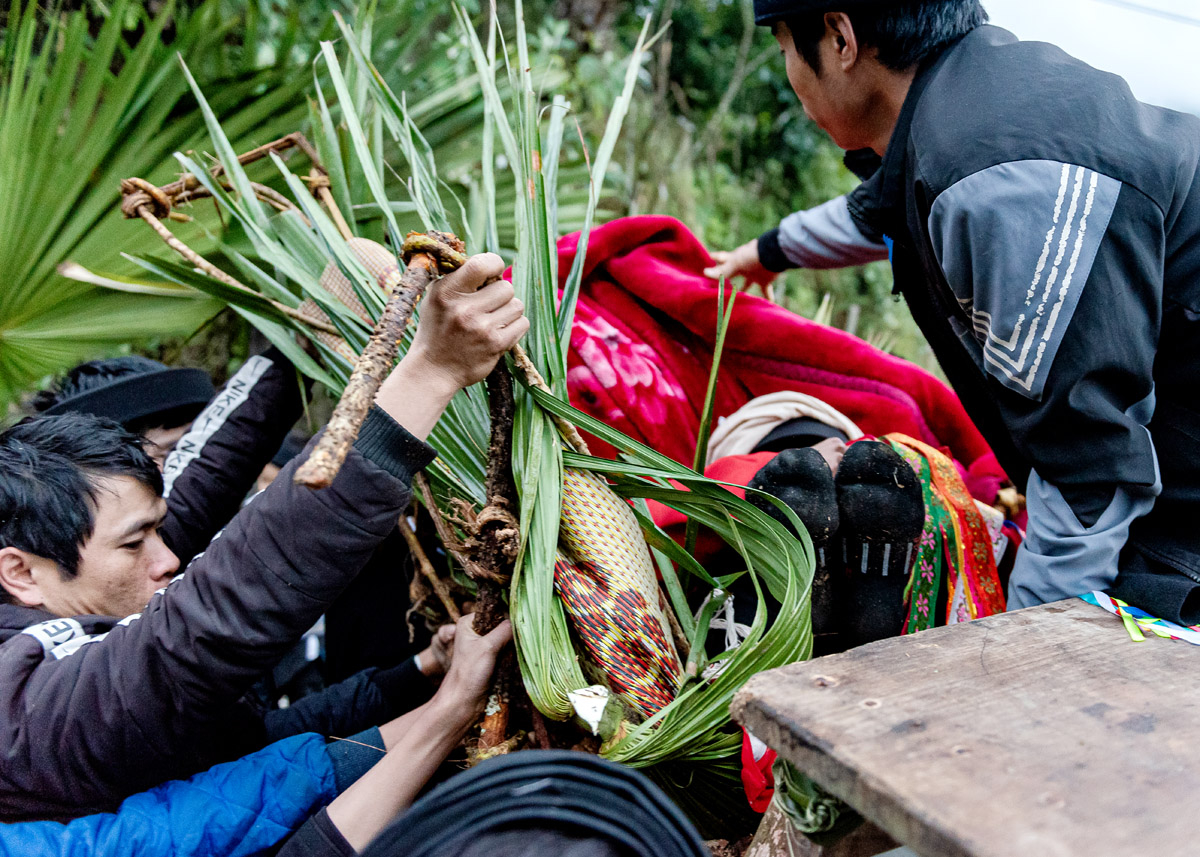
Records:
x=48, y=472
x=93, y=375
x=905, y=34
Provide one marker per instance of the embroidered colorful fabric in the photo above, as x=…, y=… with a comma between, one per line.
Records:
x=959, y=542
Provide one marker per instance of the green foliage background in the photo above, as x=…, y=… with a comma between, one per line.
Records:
x=715, y=137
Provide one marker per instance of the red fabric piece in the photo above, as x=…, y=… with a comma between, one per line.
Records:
x=984, y=479
x=737, y=469
x=642, y=345
x=758, y=779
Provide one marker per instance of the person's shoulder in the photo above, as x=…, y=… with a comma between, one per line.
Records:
x=47, y=635
x=993, y=99
x=17, y=619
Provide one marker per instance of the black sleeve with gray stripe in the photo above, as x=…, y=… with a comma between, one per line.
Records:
x=1057, y=272
x=822, y=237
x=215, y=464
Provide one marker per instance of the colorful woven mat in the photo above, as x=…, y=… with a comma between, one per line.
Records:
x=1137, y=620
x=610, y=590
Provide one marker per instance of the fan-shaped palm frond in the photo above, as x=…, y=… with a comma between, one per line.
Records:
x=77, y=114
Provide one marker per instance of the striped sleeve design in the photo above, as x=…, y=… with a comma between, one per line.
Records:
x=1018, y=263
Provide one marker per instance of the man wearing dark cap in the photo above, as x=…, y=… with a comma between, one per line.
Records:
x=1044, y=227
x=141, y=394
x=210, y=446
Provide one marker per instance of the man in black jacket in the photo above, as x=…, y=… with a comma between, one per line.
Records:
x=95, y=708
x=1044, y=227
x=211, y=446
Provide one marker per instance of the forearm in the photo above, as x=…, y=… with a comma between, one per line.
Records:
x=364, y=809
x=393, y=731
x=416, y=394
x=821, y=237
x=216, y=462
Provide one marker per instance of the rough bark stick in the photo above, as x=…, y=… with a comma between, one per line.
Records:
x=427, y=570
x=493, y=729
x=427, y=258
x=216, y=273
x=534, y=378
x=162, y=198
x=498, y=536
x=499, y=542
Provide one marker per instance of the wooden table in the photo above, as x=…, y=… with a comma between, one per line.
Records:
x=1045, y=732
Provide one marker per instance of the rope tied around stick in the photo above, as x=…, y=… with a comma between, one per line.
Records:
x=137, y=193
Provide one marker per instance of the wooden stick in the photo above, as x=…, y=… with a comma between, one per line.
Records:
x=192, y=257
x=427, y=256
x=427, y=570
x=498, y=529
x=534, y=379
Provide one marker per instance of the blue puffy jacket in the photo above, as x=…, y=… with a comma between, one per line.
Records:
x=236, y=809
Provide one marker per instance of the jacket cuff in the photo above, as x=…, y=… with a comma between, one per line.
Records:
x=386, y=443
x=318, y=837
x=770, y=254
x=354, y=756
x=404, y=687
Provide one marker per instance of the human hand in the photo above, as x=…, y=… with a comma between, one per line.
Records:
x=435, y=659
x=742, y=262
x=465, y=687
x=468, y=320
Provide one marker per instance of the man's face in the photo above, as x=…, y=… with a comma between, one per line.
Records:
x=123, y=563
x=829, y=99
x=160, y=441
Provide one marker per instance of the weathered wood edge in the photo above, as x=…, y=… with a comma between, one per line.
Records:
x=805, y=751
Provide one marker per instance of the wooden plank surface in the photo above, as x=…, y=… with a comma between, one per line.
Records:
x=1042, y=732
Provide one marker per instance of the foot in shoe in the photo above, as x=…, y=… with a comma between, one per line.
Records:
x=882, y=512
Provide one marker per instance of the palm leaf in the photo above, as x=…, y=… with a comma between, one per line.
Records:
x=693, y=733
x=70, y=129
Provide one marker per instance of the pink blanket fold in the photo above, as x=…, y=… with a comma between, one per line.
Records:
x=642, y=346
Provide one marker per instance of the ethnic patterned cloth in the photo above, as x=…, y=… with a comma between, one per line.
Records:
x=961, y=542
x=610, y=590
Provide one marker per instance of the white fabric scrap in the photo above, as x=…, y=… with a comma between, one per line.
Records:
x=745, y=428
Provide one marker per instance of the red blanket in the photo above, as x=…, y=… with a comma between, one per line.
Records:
x=641, y=350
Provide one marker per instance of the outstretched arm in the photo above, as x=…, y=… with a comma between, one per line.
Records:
x=214, y=465
x=364, y=809
x=822, y=237
x=416, y=745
